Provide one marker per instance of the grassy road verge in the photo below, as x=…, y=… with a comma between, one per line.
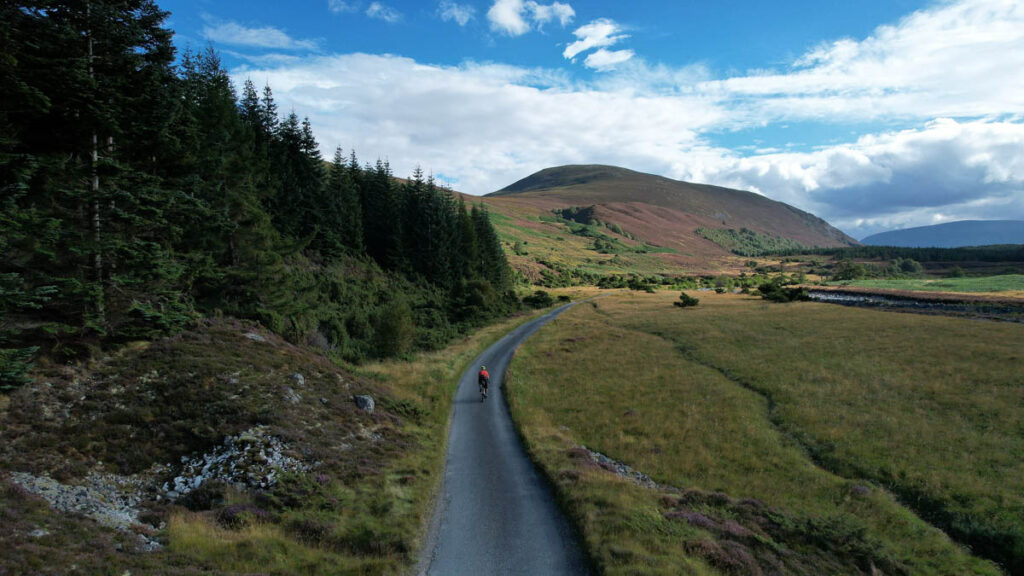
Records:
x=787, y=430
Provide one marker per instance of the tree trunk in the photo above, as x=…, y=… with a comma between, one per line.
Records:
x=95, y=188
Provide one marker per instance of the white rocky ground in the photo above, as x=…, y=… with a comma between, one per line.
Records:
x=252, y=459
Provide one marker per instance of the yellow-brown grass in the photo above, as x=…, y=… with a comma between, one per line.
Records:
x=799, y=406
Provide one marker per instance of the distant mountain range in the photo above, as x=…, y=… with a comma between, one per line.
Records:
x=645, y=222
x=953, y=234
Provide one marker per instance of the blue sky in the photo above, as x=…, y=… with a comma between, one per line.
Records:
x=872, y=114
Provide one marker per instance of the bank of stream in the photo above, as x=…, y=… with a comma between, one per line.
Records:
x=997, y=310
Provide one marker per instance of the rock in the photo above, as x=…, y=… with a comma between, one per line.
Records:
x=108, y=499
x=292, y=396
x=323, y=401
x=364, y=403
x=255, y=336
x=249, y=460
x=860, y=490
x=39, y=533
x=300, y=380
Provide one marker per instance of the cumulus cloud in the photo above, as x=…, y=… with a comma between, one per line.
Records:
x=517, y=17
x=544, y=13
x=607, y=59
x=597, y=34
x=957, y=59
x=893, y=179
x=955, y=154
x=235, y=34
x=340, y=6
x=485, y=124
x=383, y=12
x=453, y=12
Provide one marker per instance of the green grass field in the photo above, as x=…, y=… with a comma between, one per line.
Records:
x=805, y=438
x=1003, y=283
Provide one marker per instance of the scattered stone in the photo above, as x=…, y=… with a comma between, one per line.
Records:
x=860, y=490
x=300, y=380
x=106, y=498
x=323, y=401
x=251, y=459
x=109, y=499
x=616, y=467
x=291, y=395
x=255, y=336
x=364, y=403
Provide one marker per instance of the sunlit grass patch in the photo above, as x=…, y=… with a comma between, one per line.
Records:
x=1001, y=283
x=798, y=406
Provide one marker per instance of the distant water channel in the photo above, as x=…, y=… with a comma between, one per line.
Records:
x=1000, y=311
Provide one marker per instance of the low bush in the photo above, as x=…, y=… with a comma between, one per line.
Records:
x=539, y=299
x=776, y=291
x=685, y=300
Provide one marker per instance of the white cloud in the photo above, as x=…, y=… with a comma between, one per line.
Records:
x=340, y=6
x=453, y=12
x=957, y=59
x=517, y=17
x=599, y=33
x=487, y=125
x=235, y=34
x=607, y=59
x=383, y=12
x=959, y=156
x=544, y=13
x=506, y=16
x=909, y=177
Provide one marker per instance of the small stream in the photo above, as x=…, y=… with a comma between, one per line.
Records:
x=990, y=310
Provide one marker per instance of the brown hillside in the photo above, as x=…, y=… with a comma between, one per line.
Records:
x=659, y=218
x=611, y=188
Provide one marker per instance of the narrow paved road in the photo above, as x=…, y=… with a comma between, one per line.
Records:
x=496, y=513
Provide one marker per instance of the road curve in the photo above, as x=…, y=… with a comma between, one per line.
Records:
x=496, y=513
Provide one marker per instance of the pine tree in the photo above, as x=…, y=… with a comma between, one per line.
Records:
x=491, y=264
x=382, y=218
x=104, y=69
x=342, y=198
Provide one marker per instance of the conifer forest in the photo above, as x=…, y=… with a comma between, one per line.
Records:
x=140, y=190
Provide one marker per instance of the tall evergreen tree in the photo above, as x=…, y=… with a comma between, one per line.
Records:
x=342, y=206
x=491, y=264
x=104, y=69
x=382, y=218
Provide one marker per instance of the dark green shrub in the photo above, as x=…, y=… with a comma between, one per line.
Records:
x=685, y=300
x=776, y=292
x=564, y=298
x=539, y=299
x=394, y=330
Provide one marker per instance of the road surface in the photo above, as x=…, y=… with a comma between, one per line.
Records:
x=496, y=513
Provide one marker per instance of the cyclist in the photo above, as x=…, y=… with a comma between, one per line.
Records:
x=483, y=379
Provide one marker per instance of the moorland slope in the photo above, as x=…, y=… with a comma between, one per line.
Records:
x=645, y=223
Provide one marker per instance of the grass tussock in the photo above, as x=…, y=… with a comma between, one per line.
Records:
x=820, y=414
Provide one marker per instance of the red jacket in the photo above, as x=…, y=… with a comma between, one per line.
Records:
x=483, y=377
